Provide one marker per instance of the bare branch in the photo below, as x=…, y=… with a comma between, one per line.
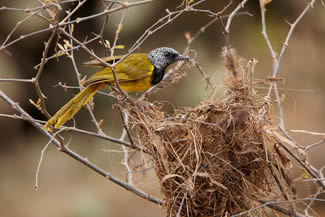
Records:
x=82, y=160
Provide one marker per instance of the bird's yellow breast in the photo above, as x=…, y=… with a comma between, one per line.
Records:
x=137, y=85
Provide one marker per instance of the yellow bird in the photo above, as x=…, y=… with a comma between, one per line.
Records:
x=137, y=72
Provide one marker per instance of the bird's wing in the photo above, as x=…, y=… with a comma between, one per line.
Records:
x=134, y=67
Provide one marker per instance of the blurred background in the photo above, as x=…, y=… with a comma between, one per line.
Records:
x=68, y=188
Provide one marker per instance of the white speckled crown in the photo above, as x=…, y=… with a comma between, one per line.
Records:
x=163, y=57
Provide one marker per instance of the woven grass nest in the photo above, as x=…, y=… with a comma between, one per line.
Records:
x=215, y=159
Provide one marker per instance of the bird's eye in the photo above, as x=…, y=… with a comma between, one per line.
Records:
x=168, y=54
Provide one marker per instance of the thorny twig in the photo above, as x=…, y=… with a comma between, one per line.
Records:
x=277, y=60
x=36, y=79
x=316, y=174
x=79, y=158
x=41, y=159
x=71, y=56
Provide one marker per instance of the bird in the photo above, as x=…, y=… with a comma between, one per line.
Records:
x=137, y=72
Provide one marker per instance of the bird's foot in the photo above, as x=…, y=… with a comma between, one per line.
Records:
x=123, y=97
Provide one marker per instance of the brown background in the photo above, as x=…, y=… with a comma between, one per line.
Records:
x=69, y=189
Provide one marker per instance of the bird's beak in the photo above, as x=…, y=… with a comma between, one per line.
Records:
x=182, y=57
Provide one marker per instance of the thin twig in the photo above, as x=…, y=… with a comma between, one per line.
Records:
x=125, y=162
x=39, y=164
x=283, y=192
x=307, y=148
x=70, y=13
x=41, y=160
x=16, y=80
x=117, y=33
x=232, y=15
x=36, y=79
x=292, y=28
x=71, y=56
x=181, y=205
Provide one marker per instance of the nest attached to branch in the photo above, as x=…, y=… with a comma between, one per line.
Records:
x=214, y=159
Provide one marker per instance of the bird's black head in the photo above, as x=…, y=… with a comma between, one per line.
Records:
x=161, y=58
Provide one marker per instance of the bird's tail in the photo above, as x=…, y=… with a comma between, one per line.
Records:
x=73, y=106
